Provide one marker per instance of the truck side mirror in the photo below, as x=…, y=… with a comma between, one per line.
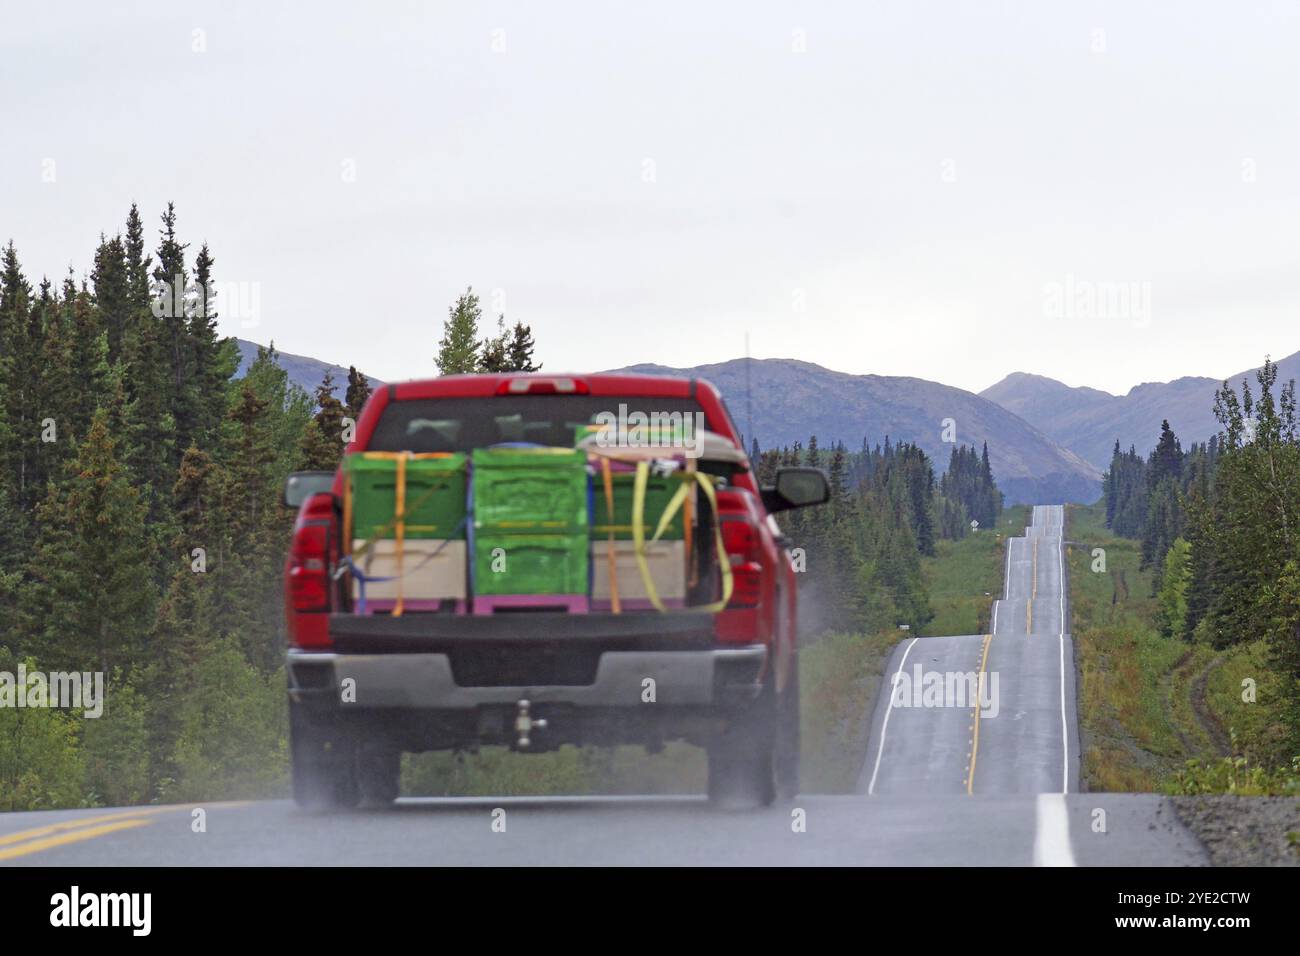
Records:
x=797, y=488
x=301, y=485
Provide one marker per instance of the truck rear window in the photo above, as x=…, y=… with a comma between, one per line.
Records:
x=463, y=424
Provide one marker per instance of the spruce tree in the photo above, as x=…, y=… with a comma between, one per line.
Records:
x=20, y=348
x=288, y=409
x=837, y=472
x=91, y=595
x=212, y=359
x=357, y=392
x=172, y=280
x=188, y=615
x=458, y=348
x=1167, y=459
x=137, y=262
x=57, y=392
x=322, y=443
x=493, y=356
x=112, y=293
x=255, y=528
x=519, y=354
x=89, y=356
x=1110, y=485
x=149, y=385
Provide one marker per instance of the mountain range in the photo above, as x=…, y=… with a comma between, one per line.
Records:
x=793, y=400
x=1089, y=422
x=1048, y=441
x=303, y=370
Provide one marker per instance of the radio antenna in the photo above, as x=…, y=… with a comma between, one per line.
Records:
x=749, y=402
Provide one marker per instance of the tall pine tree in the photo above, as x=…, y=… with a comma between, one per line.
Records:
x=458, y=348
x=91, y=598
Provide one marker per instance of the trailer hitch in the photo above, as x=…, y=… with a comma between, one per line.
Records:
x=525, y=724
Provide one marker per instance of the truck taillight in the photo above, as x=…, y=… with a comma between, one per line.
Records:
x=741, y=539
x=309, y=568
x=307, y=573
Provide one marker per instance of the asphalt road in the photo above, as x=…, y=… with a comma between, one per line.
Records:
x=840, y=830
x=1023, y=736
x=988, y=779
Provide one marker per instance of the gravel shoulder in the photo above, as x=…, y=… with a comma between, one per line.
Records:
x=1244, y=831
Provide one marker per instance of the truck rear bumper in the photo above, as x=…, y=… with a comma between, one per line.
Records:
x=444, y=681
x=427, y=681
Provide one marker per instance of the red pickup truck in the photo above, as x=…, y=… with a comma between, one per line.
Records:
x=364, y=688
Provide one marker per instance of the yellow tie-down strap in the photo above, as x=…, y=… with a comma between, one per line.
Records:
x=607, y=480
x=677, y=500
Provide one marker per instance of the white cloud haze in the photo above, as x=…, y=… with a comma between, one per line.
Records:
x=781, y=178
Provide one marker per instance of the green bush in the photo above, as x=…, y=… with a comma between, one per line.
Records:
x=1239, y=776
x=40, y=758
x=233, y=740
x=115, y=747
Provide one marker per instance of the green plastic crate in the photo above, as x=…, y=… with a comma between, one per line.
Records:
x=435, y=496
x=658, y=492
x=531, y=563
x=533, y=490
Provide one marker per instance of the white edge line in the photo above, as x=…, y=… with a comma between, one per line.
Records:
x=884, y=724
x=1006, y=576
x=1052, y=831
x=1065, y=736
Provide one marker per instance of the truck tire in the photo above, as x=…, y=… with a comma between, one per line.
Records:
x=324, y=764
x=786, y=757
x=742, y=757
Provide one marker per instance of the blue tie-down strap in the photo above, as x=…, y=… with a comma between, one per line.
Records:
x=347, y=564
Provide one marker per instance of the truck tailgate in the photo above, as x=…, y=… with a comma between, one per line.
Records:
x=413, y=633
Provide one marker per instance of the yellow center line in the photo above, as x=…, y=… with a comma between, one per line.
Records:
x=73, y=836
x=65, y=825
x=40, y=838
x=975, y=741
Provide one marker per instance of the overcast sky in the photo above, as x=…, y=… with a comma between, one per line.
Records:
x=1104, y=194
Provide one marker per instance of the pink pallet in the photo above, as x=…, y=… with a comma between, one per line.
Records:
x=491, y=603
x=386, y=606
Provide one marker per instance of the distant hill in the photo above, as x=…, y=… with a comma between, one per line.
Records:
x=1088, y=421
x=1038, y=399
x=304, y=371
x=792, y=400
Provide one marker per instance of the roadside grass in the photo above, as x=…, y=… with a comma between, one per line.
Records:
x=965, y=577
x=1254, y=726
x=1240, y=693
x=839, y=678
x=1129, y=735
x=1201, y=734
x=1155, y=712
